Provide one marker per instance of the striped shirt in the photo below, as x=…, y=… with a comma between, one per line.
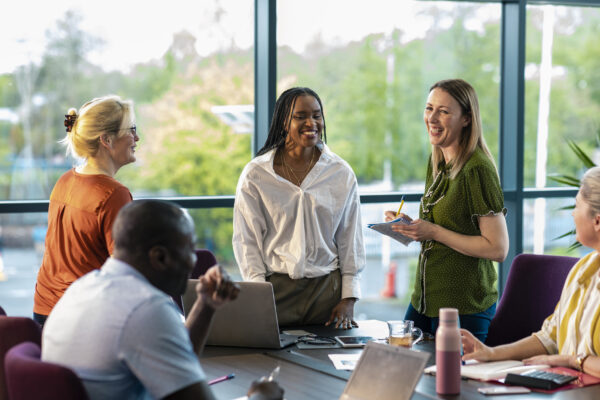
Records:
x=573, y=328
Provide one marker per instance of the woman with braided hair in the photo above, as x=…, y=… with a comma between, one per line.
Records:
x=86, y=199
x=296, y=219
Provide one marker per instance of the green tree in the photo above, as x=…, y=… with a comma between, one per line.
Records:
x=186, y=150
x=374, y=90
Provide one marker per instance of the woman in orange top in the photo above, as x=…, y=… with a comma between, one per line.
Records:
x=86, y=199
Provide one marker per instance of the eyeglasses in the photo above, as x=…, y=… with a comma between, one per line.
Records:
x=132, y=129
x=316, y=340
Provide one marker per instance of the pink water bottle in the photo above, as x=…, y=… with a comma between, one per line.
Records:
x=447, y=353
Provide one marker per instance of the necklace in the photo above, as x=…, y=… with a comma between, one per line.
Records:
x=301, y=170
x=290, y=170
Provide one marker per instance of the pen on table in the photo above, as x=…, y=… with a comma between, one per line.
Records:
x=274, y=374
x=221, y=379
x=401, y=204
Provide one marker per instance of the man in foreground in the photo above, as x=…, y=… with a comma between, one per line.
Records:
x=119, y=330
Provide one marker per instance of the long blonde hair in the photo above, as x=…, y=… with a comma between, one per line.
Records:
x=472, y=135
x=102, y=115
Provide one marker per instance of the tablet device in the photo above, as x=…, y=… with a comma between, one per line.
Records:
x=353, y=341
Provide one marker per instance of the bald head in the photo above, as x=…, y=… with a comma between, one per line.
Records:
x=143, y=224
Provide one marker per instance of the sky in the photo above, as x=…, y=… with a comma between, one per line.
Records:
x=139, y=31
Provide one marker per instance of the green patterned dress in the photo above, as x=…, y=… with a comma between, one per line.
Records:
x=445, y=277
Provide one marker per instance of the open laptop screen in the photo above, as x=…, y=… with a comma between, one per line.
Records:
x=385, y=372
x=248, y=321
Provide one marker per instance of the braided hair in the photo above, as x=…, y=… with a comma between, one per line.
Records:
x=283, y=107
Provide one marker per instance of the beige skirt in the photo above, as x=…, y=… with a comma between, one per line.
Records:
x=306, y=301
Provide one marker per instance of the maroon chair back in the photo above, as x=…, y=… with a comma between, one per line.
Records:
x=204, y=260
x=15, y=330
x=28, y=377
x=533, y=288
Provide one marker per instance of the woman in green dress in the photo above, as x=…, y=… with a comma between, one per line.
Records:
x=461, y=223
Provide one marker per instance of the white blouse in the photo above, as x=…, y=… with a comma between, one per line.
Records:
x=305, y=232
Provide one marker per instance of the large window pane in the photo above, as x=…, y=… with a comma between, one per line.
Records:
x=388, y=277
x=21, y=252
x=188, y=65
x=562, y=88
x=541, y=232
x=22, y=248
x=373, y=64
x=214, y=229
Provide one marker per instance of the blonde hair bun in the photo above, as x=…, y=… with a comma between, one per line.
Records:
x=97, y=117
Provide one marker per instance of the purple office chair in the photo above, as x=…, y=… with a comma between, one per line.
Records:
x=204, y=260
x=28, y=377
x=533, y=288
x=15, y=330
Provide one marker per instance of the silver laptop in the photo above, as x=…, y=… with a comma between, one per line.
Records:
x=248, y=321
x=385, y=372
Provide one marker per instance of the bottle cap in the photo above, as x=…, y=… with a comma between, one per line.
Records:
x=448, y=315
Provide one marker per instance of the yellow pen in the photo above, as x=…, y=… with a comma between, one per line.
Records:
x=401, y=204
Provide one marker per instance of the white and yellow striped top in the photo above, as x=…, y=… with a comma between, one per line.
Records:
x=574, y=326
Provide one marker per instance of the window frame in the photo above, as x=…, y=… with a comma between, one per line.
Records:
x=511, y=130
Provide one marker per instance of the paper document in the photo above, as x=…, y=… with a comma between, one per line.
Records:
x=345, y=361
x=491, y=371
x=386, y=229
x=296, y=332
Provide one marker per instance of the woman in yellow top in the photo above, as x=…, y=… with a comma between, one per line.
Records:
x=570, y=337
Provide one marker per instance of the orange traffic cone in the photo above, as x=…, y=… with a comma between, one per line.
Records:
x=389, y=288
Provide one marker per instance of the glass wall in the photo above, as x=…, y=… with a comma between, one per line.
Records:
x=187, y=65
x=389, y=274
x=22, y=248
x=562, y=92
x=557, y=221
x=373, y=68
x=21, y=251
x=562, y=104
x=189, y=68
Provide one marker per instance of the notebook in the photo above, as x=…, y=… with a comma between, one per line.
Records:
x=386, y=229
x=491, y=370
x=248, y=321
x=385, y=372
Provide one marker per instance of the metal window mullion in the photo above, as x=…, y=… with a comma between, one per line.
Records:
x=265, y=69
x=512, y=110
